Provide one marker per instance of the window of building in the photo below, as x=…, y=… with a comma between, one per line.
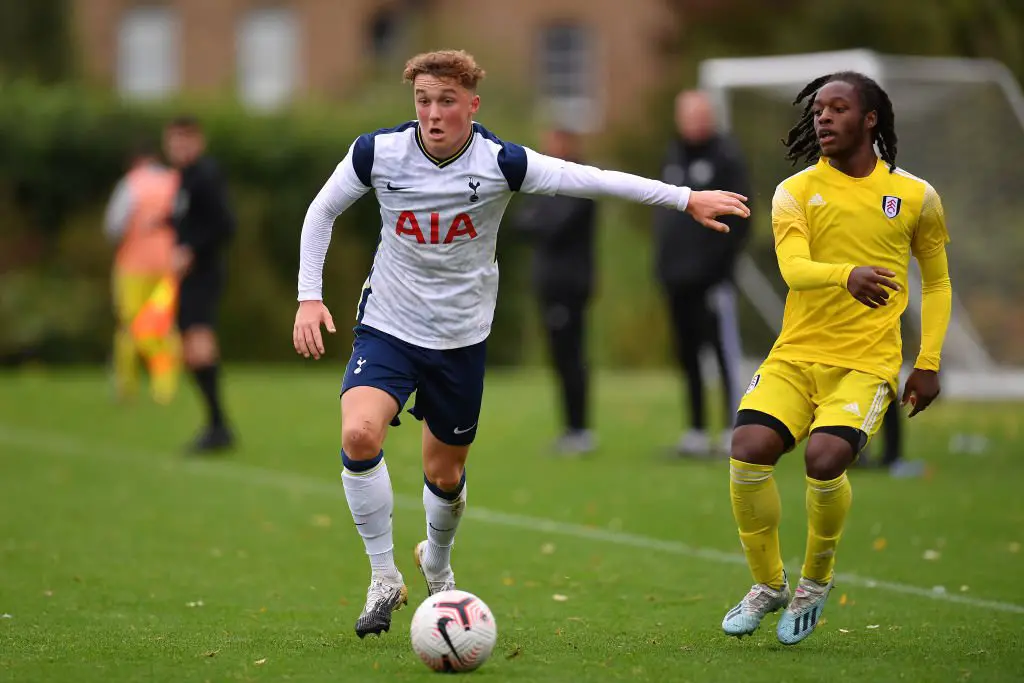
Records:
x=567, y=81
x=148, y=52
x=268, y=57
x=385, y=33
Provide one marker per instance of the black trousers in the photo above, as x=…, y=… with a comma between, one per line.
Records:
x=703, y=317
x=563, y=318
x=892, y=429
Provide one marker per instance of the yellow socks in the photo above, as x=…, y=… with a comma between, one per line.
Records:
x=164, y=371
x=757, y=509
x=828, y=503
x=163, y=358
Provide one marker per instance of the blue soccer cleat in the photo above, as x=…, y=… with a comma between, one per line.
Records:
x=762, y=600
x=803, y=614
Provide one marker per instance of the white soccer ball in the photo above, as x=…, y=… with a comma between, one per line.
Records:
x=453, y=631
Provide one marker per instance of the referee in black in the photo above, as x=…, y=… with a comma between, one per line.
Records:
x=562, y=231
x=695, y=267
x=205, y=225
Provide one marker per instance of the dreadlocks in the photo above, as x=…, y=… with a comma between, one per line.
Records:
x=802, y=142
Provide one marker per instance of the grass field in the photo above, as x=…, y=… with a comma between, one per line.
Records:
x=120, y=560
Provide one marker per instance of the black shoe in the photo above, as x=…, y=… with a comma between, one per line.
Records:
x=212, y=440
x=382, y=599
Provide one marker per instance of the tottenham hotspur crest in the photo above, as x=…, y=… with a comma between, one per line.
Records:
x=473, y=185
x=891, y=206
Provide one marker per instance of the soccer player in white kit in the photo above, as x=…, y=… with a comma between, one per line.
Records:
x=442, y=182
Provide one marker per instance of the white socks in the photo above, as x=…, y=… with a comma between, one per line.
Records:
x=443, y=509
x=371, y=501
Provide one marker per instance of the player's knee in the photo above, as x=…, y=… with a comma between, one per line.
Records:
x=755, y=446
x=360, y=440
x=446, y=477
x=199, y=347
x=827, y=460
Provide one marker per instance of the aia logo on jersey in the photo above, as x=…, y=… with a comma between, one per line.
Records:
x=408, y=224
x=891, y=206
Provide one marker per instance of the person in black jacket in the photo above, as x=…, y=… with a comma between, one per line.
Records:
x=695, y=267
x=204, y=224
x=562, y=231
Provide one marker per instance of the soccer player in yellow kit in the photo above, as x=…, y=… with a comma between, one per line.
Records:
x=844, y=231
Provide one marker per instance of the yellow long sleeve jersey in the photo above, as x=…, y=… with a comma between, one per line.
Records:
x=825, y=224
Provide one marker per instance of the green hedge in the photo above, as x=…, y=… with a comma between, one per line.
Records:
x=64, y=149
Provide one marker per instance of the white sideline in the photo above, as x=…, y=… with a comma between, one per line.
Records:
x=65, y=446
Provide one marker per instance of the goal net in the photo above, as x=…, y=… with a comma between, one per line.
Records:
x=960, y=124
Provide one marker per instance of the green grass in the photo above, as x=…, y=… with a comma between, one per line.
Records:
x=122, y=561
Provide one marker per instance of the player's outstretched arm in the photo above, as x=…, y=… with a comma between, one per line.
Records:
x=548, y=175
x=936, y=309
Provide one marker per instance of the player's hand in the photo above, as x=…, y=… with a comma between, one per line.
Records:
x=867, y=285
x=181, y=261
x=922, y=388
x=306, y=334
x=708, y=205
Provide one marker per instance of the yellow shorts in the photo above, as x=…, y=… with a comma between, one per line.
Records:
x=131, y=291
x=807, y=396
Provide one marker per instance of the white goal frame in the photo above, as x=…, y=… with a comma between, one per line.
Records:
x=976, y=375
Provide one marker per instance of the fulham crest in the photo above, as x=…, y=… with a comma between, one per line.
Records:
x=891, y=206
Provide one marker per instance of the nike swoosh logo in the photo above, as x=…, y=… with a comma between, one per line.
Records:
x=395, y=188
x=442, y=626
x=463, y=431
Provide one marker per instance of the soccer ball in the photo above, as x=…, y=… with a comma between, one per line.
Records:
x=453, y=631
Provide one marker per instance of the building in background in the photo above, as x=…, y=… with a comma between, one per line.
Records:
x=585, y=60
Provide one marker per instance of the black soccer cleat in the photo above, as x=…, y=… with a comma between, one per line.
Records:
x=382, y=598
x=212, y=440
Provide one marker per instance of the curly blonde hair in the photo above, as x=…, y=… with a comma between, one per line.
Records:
x=457, y=65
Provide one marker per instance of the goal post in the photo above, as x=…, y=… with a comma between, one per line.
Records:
x=960, y=124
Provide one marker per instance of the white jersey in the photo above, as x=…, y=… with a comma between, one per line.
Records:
x=434, y=279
